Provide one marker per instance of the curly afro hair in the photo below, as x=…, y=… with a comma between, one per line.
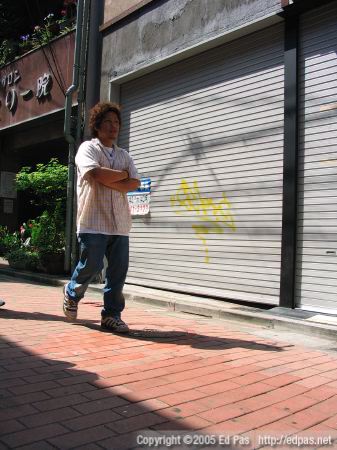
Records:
x=98, y=112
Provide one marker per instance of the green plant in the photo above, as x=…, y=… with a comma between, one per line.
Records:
x=47, y=187
x=48, y=235
x=25, y=44
x=8, y=51
x=8, y=241
x=23, y=258
x=47, y=184
x=3, y=233
x=26, y=230
x=16, y=34
x=46, y=32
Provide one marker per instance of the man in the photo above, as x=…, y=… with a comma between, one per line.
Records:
x=105, y=174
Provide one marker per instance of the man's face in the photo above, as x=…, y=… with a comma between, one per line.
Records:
x=109, y=128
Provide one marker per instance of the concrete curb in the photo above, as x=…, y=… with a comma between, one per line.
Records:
x=283, y=319
x=50, y=280
x=258, y=318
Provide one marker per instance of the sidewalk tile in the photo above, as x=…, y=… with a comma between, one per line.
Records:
x=82, y=437
x=44, y=418
x=88, y=390
x=34, y=434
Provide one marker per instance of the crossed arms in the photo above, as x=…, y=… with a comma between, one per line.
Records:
x=114, y=179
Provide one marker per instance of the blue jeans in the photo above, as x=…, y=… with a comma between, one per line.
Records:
x=93, y=247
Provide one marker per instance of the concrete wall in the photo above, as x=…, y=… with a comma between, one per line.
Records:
x=114, y=8
x=165, y=27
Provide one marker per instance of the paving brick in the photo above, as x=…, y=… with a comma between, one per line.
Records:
x=19, y=438
x=100, y=405
x=81, y=388
x=146, y=384
x=44, y=418
x=278, y=428
x=331, y=422
x=92, y=420
x=27, y=365
x=222, y=386
x=233, y=396
x=250, y=378
x=78, y=379
x=134, y=409
x=332, y=365
x=296, y=403
x=10, y=382
x=16, y=412
x=274, y=396
x=199, y=372
x=329, y=405
x=136, y=423
x=331, y=374
x=38, y=378
x=123, y=441
x=97, y=394
x=156, y=392
x=187, y=423
x=4, y=393
x=182, y=397
x=90, y=446
x=305, y=373
x=215, y=379
x=79, y=438
x=281, y=380
x=10, y=426
x=23, y=399
x=55, y=403
x=307, y=418
x=229, y=428
x=321, y=392
x=223, y=413
x=5, y=375
x=42, y=445
x=314, y=381
x=261, y=417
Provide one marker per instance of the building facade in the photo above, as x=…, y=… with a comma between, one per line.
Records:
x=32, y=97
x=230, y=108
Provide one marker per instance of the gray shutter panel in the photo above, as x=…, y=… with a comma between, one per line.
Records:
x=317, y=225
x=207, y=130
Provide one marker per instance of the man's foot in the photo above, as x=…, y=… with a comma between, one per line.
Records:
x=69, y=306
x=2, y=303
x=114, y=324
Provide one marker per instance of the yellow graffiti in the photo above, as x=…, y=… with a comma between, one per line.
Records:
x=217, y=214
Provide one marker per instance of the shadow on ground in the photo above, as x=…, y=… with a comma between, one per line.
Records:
x=47, y=403
x=195, y=340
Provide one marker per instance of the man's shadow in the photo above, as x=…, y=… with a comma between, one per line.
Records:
x=194, y=340
x=153, y=334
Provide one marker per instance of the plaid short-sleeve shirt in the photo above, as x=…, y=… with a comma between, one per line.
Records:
x=99, y=208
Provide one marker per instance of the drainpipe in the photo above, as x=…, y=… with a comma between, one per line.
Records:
x=93, y=75
x=70, y=137
x=80, y=116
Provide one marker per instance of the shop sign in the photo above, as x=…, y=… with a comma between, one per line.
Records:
x=139, y=200
x=10, y=82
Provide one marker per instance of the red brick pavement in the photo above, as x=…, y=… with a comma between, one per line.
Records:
x=70, y=385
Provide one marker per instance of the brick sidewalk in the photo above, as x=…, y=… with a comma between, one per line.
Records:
x=67, y=385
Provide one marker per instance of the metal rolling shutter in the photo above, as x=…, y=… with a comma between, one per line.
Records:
x=317, y=230
x=204, y=128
